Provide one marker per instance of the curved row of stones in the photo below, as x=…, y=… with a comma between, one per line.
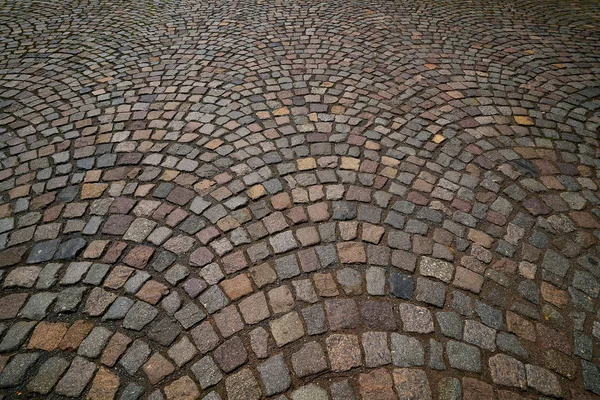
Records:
x=249, y=220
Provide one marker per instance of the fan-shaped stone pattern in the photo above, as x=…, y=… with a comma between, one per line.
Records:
x=316, y=200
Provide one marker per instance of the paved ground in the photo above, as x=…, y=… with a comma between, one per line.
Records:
x=333, y=199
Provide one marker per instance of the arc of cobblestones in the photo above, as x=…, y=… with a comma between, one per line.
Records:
x=243, y=200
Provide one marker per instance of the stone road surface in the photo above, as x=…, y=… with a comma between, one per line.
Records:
x=299, y=199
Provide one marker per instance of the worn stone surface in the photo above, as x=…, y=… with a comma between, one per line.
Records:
x=411, y=383
x=48, y=375
x=135, y=356
x=231, y=354
x=76, y=378
x=13, y=373
x=343, y=351
x=206, y=372
x=242, y=385
x=309, y=359
x=183, y=388
x=416, y=319
x=507, y=371
x=104, y=385
x=157, y=368
x=287, y=328
x=16, y=335
x=274, y=375
x=377, y=385
x=299, y=199
x=543, y=380
x=310, y=392
x=463, y=356
x=406, y=351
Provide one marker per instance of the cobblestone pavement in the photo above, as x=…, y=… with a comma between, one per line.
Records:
x=299, y=199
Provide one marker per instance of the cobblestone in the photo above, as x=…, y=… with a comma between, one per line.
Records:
x=76, y=378
x=14, y=372
x=407, y=351
x=299, y=200
x=48, y=375
x=274, y=375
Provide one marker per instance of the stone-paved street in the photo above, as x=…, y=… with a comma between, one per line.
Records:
x=300, y=199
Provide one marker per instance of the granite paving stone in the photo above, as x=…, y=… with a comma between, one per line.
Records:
x=287, y=328
x=135, y=356
x=450, y=324
x=16, y=335
x=183, y=388
x=411, y=383
x=243, y=385
x=37, y=306
x=164, y=331
x=94, y=343
x=231, y=354
x=48, y=375
x=274, y=375
x=75, y=272
x=309, y=359
x=75, y=335
x=104, y=385
x=449, y=389
x=204, y=337
x=206, y=372
x=507, y=371
x=189, y=315
x=114, y=349
x=76, y=378
x=299, y=200
x=463, y=356
x=376, y=350
x=343, y=351
x=182, y=352
x=13, y=373
x=415, y=318
x=139, y=315
x=377, y=384
x=157, y=368
x=543, y=380
x=407, y=351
